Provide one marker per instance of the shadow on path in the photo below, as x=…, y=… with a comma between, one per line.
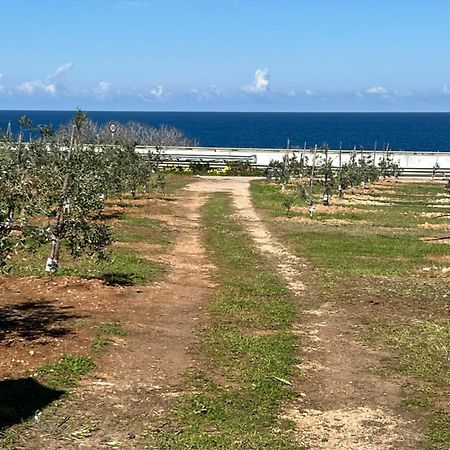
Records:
x=21, y=399
x=31, y=320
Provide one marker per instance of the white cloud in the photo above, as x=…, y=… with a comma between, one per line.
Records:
x=215, y=90
x=445, y=89
x=51, y=88
x=309, y=92
x=260, y=84
x=62, y=70
x=36, y=87
x=103, y=88
x=377, y=90
x=2, y=86
x=158, y=93
x=50, y=85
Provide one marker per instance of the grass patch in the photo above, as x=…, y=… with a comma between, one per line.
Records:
x=99, y=344
x=380, y=249
x=246, y=342
x=422, y=349
x=67, y=371
x=439, y=430
x=403, y=206
x=374, y=271
x=112, y=329
x=122, y=266
x=103, y=338
x=140, y=229
x=176, y=182
x=350, y=251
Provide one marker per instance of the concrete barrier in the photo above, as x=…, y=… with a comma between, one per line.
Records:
x=423, y=164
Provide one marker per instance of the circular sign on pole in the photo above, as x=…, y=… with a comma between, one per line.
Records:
x=112, y=127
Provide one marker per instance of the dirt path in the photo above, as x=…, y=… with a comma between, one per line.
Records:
x=342, y=405
x=120, y=401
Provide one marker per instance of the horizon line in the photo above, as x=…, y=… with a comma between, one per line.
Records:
x=227, y=112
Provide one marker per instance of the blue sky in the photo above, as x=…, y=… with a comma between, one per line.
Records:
x=226, y=55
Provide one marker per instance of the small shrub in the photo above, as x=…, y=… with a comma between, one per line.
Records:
x=199, y=168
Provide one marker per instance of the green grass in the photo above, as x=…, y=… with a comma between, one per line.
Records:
x=140, y=229
x=246, y=343
x=103, y=338
x=100, y=344
x=176, y=182
x=112, y=329
x=401, y=208
x=123, y=266
x=422, y=348
x=379, y=249
x=439, y=429
x=355, y=252
x=67, y=371
x=374, y=270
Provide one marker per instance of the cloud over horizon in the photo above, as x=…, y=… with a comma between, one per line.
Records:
x=62, y=70
x=159, y=93
x=49, y=85
x=103, y=88
x=377, y=90
x=37, y=86
x=260, y=84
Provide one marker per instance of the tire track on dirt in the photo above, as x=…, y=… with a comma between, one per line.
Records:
x=341, y=405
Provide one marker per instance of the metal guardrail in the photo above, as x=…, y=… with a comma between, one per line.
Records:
x=223, y=158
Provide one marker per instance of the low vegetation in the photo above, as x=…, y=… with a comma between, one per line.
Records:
x=247, y=350
x=382, y=255
x=67, y=371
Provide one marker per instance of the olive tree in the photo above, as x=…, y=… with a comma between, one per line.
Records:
x=74, y=182
x=19, y=190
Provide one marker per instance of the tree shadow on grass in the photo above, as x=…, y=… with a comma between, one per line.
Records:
x=112, y=215
x=31, y=320
x=21, y=399
x=118, y=279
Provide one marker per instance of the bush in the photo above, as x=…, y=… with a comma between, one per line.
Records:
x=199, y=168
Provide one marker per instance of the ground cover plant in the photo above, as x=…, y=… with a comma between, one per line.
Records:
x=247, y=350
x=381, y=257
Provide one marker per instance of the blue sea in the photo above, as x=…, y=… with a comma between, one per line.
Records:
x=402, y=131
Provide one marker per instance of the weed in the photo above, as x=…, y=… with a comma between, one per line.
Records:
x=99, y=344
x=67, y=371
x=113, y=329
x=102, y=340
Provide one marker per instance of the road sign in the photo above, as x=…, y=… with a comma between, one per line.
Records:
x=112, y=127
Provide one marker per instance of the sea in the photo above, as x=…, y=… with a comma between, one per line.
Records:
x=401, y=131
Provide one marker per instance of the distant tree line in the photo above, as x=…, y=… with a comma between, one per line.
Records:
x=90, y=132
